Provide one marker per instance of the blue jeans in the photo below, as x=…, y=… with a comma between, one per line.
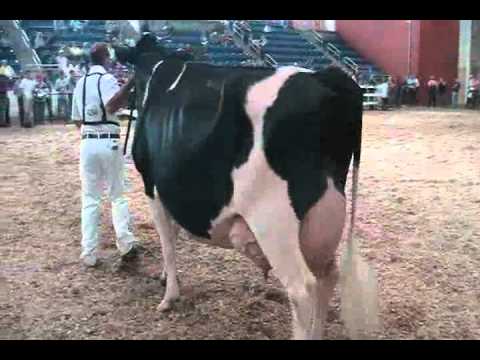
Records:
x=454, y=99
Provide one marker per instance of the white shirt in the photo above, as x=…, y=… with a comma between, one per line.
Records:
x=93, y=111
x=27, y=86
x=62, y=84
x=382, y=90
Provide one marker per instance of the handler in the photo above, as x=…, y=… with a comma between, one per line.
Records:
x=96, y=98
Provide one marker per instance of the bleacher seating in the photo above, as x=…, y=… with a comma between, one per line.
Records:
x=7, y=53
x=228, y=55
x=93, y=31
x=287, y=47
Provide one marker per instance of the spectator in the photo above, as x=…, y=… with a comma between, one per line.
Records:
x=398, y=91
x=4, y=101
x=382, y=91
x=392, y=88
x=76, y=25
x=6, y=70
x=432, y=86
x=4, y=42
x=39, y=40
x=472, y=95
x=412, y=85
x=60, y=26
x=19, y=94
x=62, y=87
x=72, y=82
x=214, y=38
x=455, y=90
x=26, y=86
x=442, y=92
x=44, y=86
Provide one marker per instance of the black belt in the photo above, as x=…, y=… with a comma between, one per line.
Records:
x=101, y=136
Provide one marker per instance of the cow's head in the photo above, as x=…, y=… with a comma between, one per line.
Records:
x=144, y=56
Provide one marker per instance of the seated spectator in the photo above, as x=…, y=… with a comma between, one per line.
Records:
x=6, y=70
x=214, y=38
x=76, y=25
x=39, y=41
x=4, y=42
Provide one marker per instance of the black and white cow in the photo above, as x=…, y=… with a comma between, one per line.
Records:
x=254, y=159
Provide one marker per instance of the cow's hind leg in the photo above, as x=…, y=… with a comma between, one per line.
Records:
x=320, y=234
x=167, y=231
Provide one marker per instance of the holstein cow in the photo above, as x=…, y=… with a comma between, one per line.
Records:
x=255, y=159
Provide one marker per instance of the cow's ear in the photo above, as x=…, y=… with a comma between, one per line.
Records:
x=125, y=54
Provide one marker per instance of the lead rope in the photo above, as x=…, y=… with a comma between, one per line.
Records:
x=130, y=119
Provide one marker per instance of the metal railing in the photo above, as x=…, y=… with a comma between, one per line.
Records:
x=45, y=67
x=254, y=47
x=269, y=60
x=332, y=49
x=318, y=39
x=351, y=64
x=238, y=31
x=27, y=41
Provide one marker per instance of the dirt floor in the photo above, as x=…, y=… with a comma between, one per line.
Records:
x=419, y=225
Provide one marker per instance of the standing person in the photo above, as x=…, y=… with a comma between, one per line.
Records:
x=4, y=100
x=19, y=94
x=96, y=98
x=61, y=86
x=455, y=90
x=442, y=92
x=432, y=86
x=44, y=87
x=72, y=81
x=382, y=91
x=472, y=95
x=26, y=86
x=413, y=85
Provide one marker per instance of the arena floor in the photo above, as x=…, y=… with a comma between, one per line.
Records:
x=419, y=223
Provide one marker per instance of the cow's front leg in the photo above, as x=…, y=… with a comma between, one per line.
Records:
x=168, y=233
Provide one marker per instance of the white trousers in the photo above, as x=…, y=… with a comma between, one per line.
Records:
x=101, y=163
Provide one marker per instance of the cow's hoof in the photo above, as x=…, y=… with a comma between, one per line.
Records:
x=165, y=305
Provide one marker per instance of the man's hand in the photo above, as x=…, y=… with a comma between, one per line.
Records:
x=121, y=97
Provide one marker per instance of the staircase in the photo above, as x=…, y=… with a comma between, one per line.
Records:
x=20, y=43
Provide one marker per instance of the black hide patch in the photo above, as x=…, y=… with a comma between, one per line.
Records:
x=309, y=136
x=189, y=139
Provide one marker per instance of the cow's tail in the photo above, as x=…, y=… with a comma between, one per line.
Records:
x=358, y=284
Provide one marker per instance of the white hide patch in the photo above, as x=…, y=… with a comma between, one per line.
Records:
x=147, y=88
x=261, y=197
x=175, y=83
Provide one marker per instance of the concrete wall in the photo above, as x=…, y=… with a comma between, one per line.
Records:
x=475, y=47
x=384, y=42
x=438, y=51
x=402, y=47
